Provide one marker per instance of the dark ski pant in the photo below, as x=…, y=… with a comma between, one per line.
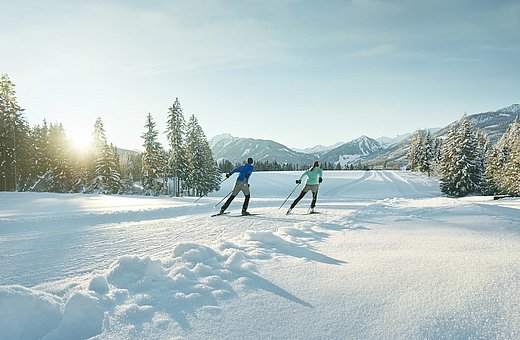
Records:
x=302, y=194
x=239, y=186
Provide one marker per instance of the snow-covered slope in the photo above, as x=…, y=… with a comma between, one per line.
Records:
x=388, y=257
x=237, y=150
x=494, y=124
x=373, y=152
x=352, y=152
x=318, y=150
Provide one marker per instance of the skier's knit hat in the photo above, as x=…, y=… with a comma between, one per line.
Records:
x=250, y=160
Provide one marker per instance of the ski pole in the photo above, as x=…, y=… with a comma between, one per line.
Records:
x=208, y=192
x=289, y=195
x=216, y=205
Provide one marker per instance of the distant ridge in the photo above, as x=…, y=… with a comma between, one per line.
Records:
x=364, y=149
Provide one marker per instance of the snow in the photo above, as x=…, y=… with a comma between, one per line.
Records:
x=348, y=159
x=387, y=257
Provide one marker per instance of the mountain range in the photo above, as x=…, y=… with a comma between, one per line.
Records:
x=370, y=151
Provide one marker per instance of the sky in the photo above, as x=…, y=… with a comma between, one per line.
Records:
x=301, y=73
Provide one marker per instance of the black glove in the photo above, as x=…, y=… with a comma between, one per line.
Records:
x=227, y=175
x=247, y=176
x=298, y=181
x=320, y=180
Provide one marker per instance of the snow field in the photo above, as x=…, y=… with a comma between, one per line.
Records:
x=405, y=263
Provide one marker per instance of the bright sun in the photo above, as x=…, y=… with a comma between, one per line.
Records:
x=80, y=142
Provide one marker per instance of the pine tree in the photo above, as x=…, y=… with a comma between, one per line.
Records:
x=41, y=157
x=462, y=171
x=420, y=152
x=106, y=178
x=511, y=178
x=177, y=161
x=61, y=174
x=426, y=154
x=14, y=139
x=203, y=175
x=415, y=151
x=153, y=160
x=506, y=160
x=447, y=182
x=493, y=166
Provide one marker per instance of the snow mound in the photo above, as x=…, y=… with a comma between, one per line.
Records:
x=27, y=313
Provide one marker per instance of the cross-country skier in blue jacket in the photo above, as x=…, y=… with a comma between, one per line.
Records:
x=314, y=178
x=241, y=184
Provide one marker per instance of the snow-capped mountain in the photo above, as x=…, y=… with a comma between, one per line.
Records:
x=352, y=152
x=318, y=150
x=493, y=123
x=385, y=151
x=237, y=149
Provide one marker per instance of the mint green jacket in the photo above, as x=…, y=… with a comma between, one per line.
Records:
x=313, y=175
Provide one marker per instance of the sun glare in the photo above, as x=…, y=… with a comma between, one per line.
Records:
x=80, y=142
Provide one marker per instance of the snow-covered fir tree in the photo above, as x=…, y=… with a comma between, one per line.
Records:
x=203, y=174
x=40, y=158
x=503, y=160
x=414, y=151
x=462, y=170
x=177, y=161
x=153, y=160
x=59, y=175
x=493, y=165
x=106, y=177
x=420, y=152
x=425, y=160
x=511, y=176
x=14, y=140
x=447, y=164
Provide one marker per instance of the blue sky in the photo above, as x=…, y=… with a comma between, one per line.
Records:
x=298, y=72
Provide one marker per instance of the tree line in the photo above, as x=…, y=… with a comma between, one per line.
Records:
x=40, y=158
x=267, y=165
x=467, y=163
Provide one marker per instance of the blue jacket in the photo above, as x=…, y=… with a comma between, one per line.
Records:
x=244, y=171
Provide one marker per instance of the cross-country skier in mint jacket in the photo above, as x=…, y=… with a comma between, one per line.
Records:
x=241, y=184
x=314, y=178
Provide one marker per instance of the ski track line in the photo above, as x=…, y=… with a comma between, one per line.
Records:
x=384, y=176
x=332, y=192
x=400, y=179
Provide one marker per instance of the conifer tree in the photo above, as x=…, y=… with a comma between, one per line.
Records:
x=41, y=155
x=60, y=175
x=14, y=139
x=463, y=173
x=153, y=160
x=426, y=154
x=511, y=177
x=203, y=175
x=177, y=161
x=415, y=151
x=106, y=177
x=505, y=160
x=447, y=182
x=493, y=165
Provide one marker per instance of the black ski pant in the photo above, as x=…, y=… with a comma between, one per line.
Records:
x=231, y=198
x=302, y=194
